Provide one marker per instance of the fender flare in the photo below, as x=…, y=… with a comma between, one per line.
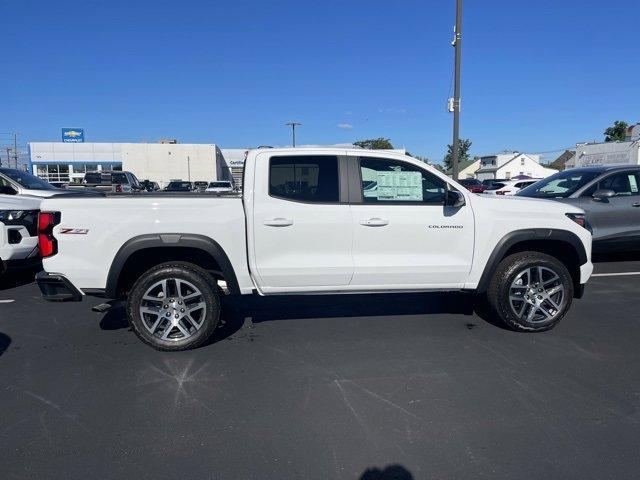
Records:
x=170, y=240
x=517, y=236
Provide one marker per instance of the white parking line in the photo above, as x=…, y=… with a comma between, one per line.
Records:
x=7, y=301
x=621, y=274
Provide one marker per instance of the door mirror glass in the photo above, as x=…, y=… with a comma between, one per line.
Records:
x=454, y=199
x=603, y=194
x=7, y=190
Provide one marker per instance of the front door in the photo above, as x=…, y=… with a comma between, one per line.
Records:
x=615, y=219
x=302, y=233
x=404, y=235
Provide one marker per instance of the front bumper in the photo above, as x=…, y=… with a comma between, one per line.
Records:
x=57, y=288
x=585, y=272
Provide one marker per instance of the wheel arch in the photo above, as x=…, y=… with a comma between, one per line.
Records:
x=144, y=251
x=564, y=245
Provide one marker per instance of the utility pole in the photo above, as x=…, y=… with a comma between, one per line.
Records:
x=457, y=44
x=293, y=126
x=15, y=149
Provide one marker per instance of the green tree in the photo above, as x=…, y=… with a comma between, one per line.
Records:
x=375, y=144
x=617, y=132
x=464, y=145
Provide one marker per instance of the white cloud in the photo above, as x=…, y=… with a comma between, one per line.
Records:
x=346, y=126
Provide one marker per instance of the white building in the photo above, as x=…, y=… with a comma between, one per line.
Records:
x=163, y=162
x=609, y=153
x=159, y=162
x=509, y=165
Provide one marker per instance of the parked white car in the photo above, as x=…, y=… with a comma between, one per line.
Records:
x=19, y=182
x=18, y=231
x=310, y=222
x=220, y=186
x=509, y=187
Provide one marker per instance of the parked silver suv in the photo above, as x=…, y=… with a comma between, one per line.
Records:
x=610, y=196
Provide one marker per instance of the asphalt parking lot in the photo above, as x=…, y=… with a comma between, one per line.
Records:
x=398, y=386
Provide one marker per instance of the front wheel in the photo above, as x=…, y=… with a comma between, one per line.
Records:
x=174, y=306
x=531, y=291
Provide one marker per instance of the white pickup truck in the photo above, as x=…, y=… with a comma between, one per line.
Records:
x=313, y=221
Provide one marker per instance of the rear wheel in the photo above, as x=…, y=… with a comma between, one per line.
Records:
x=174, y=306
x=531, y=291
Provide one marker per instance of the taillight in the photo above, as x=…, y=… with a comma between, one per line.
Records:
x=118, y=189
x=46, y=241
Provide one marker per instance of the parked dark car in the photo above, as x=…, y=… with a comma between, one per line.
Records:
x=200, y=186
x=178, y=187
x=473, y=185
x=149, y=186
x=610, y=196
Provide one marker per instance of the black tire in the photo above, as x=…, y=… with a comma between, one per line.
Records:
x=184, y=272
x=546, y=316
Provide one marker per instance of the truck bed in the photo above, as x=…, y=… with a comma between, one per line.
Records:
x=94, y=228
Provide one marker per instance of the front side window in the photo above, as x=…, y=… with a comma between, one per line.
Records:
x=624, y=184
x=305, y=178
x=392, y=181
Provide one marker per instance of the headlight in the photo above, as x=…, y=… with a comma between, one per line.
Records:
x=580, y=219
x=11, y=215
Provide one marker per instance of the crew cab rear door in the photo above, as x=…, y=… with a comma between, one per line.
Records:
x=404, y=235
x=302, y=228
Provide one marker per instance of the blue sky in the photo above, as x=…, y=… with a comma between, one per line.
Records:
x=537, y=75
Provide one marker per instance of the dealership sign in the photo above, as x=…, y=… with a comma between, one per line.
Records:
x=73, y=135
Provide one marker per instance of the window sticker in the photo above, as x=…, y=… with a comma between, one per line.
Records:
x=400, y=186
x=633, y=183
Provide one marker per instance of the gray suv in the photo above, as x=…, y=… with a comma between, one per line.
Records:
x=610, y=195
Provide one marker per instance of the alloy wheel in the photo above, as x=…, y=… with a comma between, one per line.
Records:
x=536, y=294
x=173, y=309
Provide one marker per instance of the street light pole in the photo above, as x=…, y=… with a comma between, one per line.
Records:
x=293, y=126
x=457, y=43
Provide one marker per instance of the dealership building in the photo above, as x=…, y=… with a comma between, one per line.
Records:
x=67, y=162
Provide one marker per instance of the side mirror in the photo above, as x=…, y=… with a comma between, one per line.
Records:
x=603, y=194
x=454, y=199
x=7, y=190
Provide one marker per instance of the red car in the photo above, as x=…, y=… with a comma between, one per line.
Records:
x=473, y=185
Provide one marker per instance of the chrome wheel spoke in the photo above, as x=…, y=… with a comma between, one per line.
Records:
x=183, y=330
x=155, y=325
x=167, y=331
x=197, y=306
x=545, y=312
x=554, y=290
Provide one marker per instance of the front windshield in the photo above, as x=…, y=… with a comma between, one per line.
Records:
x=559, y=185
x=28, y=181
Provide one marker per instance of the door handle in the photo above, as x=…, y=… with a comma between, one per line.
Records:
x=278, y=222
x=637, y=204
x=374, y=222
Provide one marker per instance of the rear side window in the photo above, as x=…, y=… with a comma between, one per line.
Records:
x=119, y=178
x=305, y=178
